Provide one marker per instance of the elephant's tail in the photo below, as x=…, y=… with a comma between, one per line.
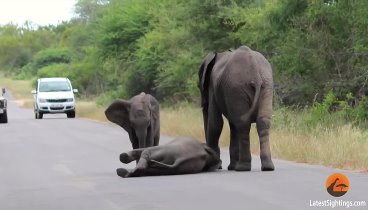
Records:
x=257, y=94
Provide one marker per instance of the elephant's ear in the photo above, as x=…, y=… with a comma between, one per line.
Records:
x=204, y=76
x=154, y=107
x=118, y=112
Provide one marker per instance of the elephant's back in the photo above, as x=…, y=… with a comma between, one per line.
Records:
x=241, y=67
x=234, y=83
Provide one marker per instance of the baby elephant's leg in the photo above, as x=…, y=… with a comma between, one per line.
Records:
x=131, y=156
x=140, y=169
x=122, y=172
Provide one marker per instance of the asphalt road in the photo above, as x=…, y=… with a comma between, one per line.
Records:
x=65, y=164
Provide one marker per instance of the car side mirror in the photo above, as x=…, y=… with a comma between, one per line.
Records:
x=75, y=90
x=34, y=91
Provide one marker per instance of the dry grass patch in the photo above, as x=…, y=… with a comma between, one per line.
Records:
x=187, y=120
x=182, y=121
x=89, y=109
x=340, y=147
x=20, y=89
x=344, y=147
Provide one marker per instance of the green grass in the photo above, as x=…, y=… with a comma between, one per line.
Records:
x=334, y=143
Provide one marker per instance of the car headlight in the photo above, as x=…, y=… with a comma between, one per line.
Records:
x=42, y=100
x=69, y=100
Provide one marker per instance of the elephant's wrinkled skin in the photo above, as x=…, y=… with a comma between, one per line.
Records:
x=237, y=84
x=180, y=156
x=140, y=117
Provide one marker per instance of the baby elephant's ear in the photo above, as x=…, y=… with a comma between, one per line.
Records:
x=118, y=112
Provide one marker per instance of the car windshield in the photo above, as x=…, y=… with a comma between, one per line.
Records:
x=54, y=86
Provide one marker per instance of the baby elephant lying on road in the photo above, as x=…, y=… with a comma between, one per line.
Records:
x=180, y=156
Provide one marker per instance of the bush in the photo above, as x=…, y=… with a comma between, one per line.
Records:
x=50, y=56
x=333, y=112
x=55, y=70
x=359, y=114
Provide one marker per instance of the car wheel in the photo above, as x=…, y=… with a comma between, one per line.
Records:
x=38, y=115
x=71, y=114
x=4, y=117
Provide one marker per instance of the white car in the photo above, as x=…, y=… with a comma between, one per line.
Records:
x=54, y=95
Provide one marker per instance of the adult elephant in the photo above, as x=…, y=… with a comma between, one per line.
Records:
x=140, y=117
x=237, y=84
x=180, y=156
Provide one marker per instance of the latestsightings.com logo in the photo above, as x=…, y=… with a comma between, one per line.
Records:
x=337, y=185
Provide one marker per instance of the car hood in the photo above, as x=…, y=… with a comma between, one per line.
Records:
x=55, y=95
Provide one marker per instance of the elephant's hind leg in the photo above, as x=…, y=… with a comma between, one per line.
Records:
x=263, y=127
x=242, y=137
x=233, y=149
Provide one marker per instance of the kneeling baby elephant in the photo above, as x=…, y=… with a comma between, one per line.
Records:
x=180, y=156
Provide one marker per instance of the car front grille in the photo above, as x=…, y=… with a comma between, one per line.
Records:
x=56, y=100
x=56, y=108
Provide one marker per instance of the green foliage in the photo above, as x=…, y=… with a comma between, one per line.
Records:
x=319, y=112
x=54, y=70
x=13, y=55
x=334, y=112
x=50, y=56
x=283, y=16
x=47, y=57
x=122, y=25
x=86, y=74
x=19, y=44
x=320, y=49
x=358, y=114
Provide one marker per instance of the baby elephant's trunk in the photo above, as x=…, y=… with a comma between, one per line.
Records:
x=142, y=137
